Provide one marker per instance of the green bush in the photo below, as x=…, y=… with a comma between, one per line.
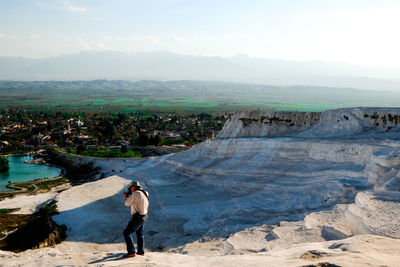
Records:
x=5, y=211
x=111, y=153
x=172, y=141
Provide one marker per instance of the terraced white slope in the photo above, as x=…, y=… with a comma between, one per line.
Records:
x=226, y=185
x=257, y=188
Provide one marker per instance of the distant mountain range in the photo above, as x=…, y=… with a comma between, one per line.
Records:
x=170, y=66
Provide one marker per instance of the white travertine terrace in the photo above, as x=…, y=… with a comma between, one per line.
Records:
x=270, y=187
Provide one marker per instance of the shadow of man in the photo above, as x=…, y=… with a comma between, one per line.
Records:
x=110, y=257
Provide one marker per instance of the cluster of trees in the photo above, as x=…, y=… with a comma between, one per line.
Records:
x=105, y=153
x=4, y=164
x=143, y=139
x=72, y=129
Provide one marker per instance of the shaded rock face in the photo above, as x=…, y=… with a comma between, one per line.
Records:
x=331, y=123
x=37, y=231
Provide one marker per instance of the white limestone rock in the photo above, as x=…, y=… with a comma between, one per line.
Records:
x=267, y=124
x=345, y=122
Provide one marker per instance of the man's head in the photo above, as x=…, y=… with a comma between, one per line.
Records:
x=134, y=186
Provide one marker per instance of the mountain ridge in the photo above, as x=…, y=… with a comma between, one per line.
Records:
x=163, y=65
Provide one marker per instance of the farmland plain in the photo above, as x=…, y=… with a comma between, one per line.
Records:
x=182, y=96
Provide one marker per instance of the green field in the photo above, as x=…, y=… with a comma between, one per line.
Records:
x=157, y=104
x=108, y=153
x=181, y=96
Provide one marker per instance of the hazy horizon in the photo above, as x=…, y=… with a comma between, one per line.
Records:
x=92, y=65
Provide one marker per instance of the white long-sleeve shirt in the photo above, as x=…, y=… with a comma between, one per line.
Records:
x=138, y=202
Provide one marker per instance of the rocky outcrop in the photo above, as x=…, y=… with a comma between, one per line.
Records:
x=37, y=230
x=358, y=122
x=367, y=122
x=268, y=124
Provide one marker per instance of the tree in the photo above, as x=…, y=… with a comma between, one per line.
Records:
x=124, y=148
x=4, y=164
x=109, y=130
x=80, y=149
x=143, y=139
x=156, y=140
x=134, y=139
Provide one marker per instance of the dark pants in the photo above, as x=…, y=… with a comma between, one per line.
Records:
x=135, y=225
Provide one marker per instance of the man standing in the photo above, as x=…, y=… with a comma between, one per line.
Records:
x=138, y=199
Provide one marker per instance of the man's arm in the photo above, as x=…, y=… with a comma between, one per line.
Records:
x=129, y=200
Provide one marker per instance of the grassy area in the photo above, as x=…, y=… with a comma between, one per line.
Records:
x=6, y=211
x=11, y=222
x=186, y=105
x=108, y=153
x=46, y=185
x=184, y=97
x=180, y=105
x=111, y=153
x=172, y=142
x=33, y=186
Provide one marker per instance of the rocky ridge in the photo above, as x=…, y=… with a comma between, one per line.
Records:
x=345, y=122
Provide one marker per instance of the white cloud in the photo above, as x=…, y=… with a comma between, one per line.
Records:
x=35, y=37
x=134, y=38
x=147, y=38
x=90, y=46
x=152, y=39
x=77, y=9
x=246, y=36
x=179, y=39
x=83, y=44
x=8, y=37
x=102, y=46
x=74, y=8
x=242, y=36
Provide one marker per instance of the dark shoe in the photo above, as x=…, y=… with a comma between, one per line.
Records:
x=141, y=254
x=129, y=255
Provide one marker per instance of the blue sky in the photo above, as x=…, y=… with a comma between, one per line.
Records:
x=362, y=32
